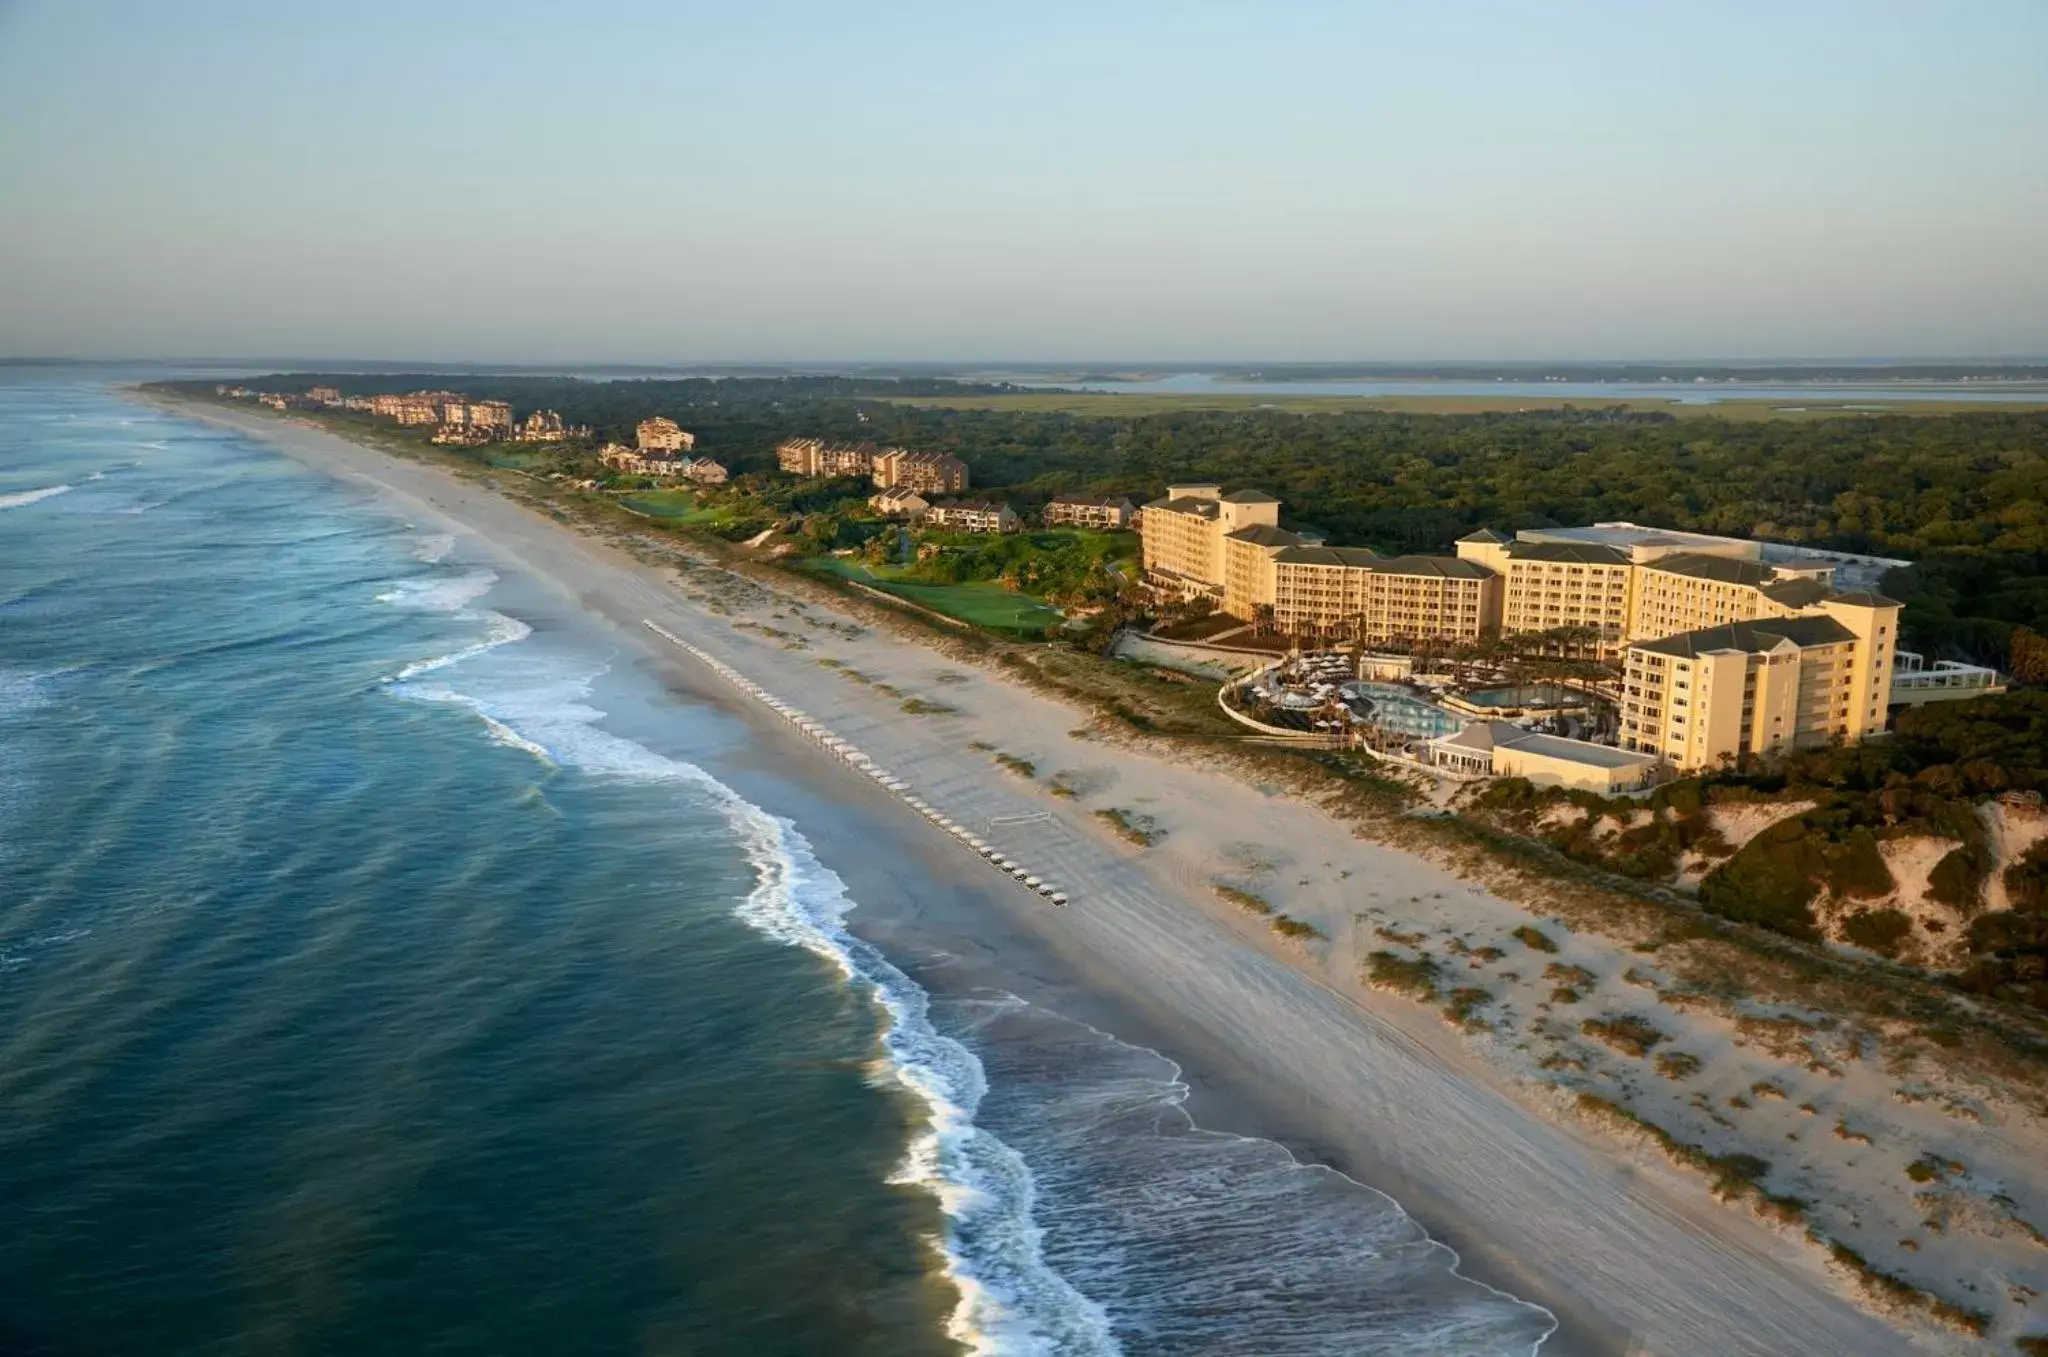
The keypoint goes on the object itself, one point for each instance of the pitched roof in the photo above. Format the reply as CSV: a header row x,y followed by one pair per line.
x,y
1249,497
1487,535
1721,569
1305,555
1092,501
1445,567
1797,592
1577,553
1863,598
1364,558
1265,535
979,506
1755,638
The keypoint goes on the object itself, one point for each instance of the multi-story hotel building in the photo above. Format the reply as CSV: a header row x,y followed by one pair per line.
x,y
1353,592
1548,586
929,473
814,457
1182,536
1706,697
661,434
1232,548
1110,513
1644,587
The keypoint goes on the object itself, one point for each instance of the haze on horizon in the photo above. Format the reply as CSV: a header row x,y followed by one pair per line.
x,y
784,180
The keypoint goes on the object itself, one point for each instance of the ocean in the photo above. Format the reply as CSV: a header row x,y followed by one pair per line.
x,y
386,967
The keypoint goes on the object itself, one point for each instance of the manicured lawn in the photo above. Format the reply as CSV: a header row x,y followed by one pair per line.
x,y
984,605
679,506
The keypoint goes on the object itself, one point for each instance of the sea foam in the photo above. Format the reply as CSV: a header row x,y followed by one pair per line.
x,y
1011,1300
21,497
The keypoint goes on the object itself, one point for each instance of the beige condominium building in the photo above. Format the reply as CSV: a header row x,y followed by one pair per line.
x,y
1110,513
973,516
814,457
930,473
660,434
1709,696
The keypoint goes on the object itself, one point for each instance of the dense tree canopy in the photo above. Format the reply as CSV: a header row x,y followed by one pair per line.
x,y
1963,496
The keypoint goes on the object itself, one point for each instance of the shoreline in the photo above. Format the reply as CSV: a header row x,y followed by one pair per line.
x,y
1266,1046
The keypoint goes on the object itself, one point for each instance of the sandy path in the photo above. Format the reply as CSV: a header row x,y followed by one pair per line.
x,y
1633,1260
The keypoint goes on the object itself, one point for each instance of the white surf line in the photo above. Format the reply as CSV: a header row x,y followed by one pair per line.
x,y
844,750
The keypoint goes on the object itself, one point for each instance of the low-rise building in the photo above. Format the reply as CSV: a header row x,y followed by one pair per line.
x,y
661,434
1498,749
931,473
1915,683
1110,513
1702,698
898,501
973,516
323,395
704,471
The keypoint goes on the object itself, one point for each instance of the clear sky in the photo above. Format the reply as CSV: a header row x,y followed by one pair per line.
x,y
681,180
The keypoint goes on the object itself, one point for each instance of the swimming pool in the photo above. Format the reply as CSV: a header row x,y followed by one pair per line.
x,y
1529,695
1395,708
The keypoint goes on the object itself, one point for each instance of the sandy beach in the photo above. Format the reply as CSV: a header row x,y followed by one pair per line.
x,y
1275,1039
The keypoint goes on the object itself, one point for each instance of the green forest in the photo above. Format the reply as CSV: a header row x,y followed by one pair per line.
x,y
1964,496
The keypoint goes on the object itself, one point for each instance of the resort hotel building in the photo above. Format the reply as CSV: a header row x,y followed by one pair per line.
x,y
1199,541
1724,652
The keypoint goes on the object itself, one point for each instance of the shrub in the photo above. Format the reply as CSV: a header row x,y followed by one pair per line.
x,y
1393,972
1295,928
1242,899
1678,1065
918,706
1132,828
1878,930
1958,879
1770,882
1021,767
1855,867
1564,994
1465,1001
1626,1033
1534,939
2026,880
